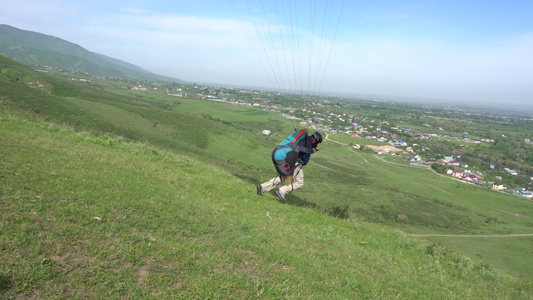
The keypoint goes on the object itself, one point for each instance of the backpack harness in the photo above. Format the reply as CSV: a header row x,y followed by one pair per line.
x,y
285,155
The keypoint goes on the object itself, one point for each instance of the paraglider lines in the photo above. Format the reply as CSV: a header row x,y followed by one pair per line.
x,y
278,33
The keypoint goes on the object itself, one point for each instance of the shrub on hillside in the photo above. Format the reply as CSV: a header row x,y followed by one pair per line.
x,y
341,212
401,218
438,168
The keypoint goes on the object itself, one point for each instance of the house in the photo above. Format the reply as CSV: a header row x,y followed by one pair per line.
x,y
457,173
413,162
399,144
487,140
449,171
512,172
526,194
448,158
471,177
498,186
453,163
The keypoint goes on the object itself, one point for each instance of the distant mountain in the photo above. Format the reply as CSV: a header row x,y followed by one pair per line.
x,y
34,48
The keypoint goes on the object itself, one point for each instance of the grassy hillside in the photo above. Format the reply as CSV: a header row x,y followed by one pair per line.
x,y
89,217
339,179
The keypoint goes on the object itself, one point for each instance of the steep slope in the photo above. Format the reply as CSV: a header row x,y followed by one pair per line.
x,y
338,179
88,217
86,106
34,48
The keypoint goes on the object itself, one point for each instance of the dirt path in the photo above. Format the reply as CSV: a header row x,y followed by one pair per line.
x,y
327,138
442,190
384,147
511,213
390,162
472,235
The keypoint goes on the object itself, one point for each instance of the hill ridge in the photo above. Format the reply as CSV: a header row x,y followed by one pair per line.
x,y
35,48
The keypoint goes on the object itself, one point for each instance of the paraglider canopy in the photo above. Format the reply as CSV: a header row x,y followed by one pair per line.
x,y
292,39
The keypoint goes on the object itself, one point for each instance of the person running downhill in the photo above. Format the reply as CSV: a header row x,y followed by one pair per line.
x,y
305,148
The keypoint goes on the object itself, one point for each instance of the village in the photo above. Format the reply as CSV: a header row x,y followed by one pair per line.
x,y
469,176
449,151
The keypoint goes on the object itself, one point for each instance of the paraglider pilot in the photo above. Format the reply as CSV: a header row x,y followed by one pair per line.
x,y
305,148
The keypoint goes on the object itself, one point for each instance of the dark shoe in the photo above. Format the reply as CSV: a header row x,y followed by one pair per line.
x,y
280,195
260,190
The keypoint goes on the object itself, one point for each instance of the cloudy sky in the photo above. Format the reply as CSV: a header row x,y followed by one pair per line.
x,y
469,50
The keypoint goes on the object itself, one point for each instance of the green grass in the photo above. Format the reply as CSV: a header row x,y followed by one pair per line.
x,y
380,192
90,217
111,177
482,249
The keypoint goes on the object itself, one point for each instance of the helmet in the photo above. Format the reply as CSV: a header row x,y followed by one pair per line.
x,y
318,137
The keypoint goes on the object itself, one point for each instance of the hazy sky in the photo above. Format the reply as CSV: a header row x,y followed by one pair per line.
x,y
470,50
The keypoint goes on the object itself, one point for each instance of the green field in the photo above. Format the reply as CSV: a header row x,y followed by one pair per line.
x,y
171,182
88,217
